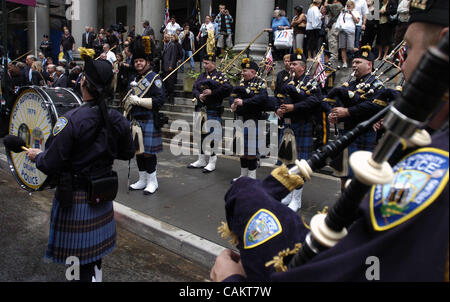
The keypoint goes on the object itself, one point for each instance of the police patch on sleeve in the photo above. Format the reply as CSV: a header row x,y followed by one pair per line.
x,y
418,180
262,227
59,126
158,83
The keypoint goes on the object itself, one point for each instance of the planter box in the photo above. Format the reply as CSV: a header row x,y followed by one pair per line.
x,y
188,83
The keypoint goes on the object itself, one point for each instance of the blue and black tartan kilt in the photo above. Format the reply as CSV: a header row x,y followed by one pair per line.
x,y
250,141
303,132
364,142
152,137
84,231
212,115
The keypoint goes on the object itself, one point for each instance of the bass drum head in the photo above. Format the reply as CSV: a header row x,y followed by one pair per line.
x,y
33,116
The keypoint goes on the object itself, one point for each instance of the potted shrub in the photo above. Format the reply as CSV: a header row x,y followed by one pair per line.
x,y
189,80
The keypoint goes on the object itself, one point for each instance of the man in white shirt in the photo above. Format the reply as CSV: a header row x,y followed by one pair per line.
x,y
172,27
110,56
363,10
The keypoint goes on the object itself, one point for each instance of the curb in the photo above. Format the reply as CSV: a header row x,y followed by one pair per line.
x,y
185,244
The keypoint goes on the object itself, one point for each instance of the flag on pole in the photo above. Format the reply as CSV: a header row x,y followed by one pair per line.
x,y
320,70
196,12
269,60
166,14
402,55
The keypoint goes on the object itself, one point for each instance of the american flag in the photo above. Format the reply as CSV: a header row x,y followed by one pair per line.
x,y
402,55
269,61
166,14
319,68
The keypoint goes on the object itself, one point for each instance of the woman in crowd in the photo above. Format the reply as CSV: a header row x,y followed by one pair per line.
x,y
299,25
385,28
402,21
346,24
313,25
279,22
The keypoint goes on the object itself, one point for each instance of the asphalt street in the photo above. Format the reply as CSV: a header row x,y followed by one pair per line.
x,y
24,227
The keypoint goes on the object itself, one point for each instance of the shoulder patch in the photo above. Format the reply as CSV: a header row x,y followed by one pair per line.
x,y
263,226
60,125
418,180
158,83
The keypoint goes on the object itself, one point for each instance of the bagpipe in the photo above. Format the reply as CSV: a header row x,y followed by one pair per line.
x,y
372,84
258,82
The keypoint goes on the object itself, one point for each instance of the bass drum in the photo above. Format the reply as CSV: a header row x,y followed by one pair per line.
x,y
33,116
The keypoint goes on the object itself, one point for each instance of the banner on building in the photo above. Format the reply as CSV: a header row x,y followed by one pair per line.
x,y
24,2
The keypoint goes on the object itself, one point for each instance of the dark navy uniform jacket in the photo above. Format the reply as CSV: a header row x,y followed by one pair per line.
x,y
282,78
215,100
156,93
79,141
362,109
254,105
304,105
406,246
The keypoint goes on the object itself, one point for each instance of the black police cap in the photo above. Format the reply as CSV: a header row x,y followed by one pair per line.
x,y
97,72
297,56
365,53
248,64
209,57
429,11
141,48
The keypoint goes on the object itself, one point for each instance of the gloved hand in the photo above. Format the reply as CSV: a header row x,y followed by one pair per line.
x,y
143,102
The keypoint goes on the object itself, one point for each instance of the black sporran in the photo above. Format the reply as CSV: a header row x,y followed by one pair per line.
x,y
103,189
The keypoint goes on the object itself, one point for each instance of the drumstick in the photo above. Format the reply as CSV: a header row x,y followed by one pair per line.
x,y
25,149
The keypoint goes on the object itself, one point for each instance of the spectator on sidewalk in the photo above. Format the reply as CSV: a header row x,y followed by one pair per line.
x,y
386,28
363,10
46,47
313,25
299,25
60,77
402,21
372,23
98,45
347,23
172,27
67,45
170,57
202,36
148,30
187,40
333,10
110,56
87,38
224,21
279,22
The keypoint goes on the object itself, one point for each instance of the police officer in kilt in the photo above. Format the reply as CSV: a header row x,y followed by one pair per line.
x,y
142,104
249,101
355,106
79,156
297,111
209,90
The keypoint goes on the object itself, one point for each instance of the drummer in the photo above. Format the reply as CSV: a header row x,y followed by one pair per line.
x,y
79,154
